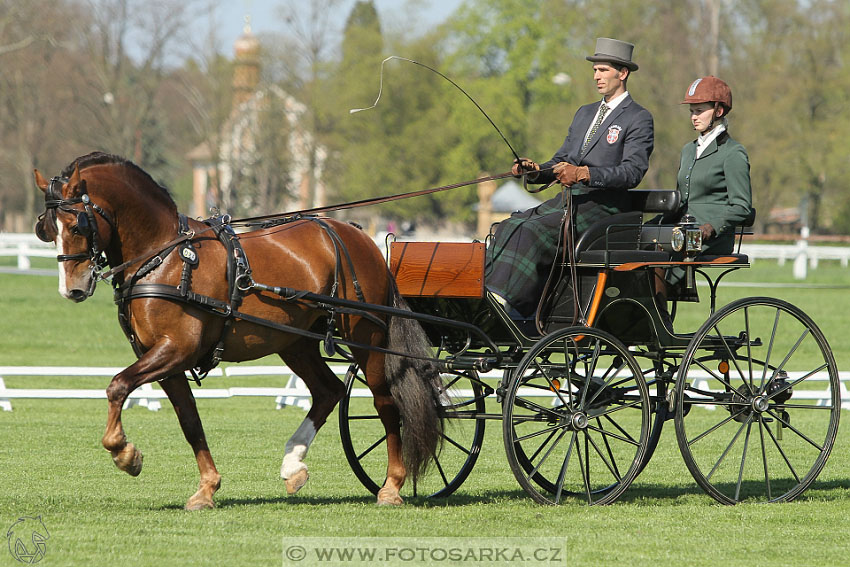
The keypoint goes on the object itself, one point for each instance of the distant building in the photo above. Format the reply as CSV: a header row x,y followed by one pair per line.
x,y
496,204
235,178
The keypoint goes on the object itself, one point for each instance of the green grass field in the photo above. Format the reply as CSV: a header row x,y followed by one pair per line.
x,y
52,465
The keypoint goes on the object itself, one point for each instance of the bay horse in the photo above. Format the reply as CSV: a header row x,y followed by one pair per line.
x,y
104,209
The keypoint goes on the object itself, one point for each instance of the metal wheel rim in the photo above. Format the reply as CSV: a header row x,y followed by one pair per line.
x,y
757,446
548,447
451,475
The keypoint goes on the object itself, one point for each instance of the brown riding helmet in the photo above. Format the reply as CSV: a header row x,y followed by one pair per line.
x,y
709,89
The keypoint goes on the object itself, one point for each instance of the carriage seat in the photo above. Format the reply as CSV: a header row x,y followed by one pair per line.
x,y
617,239
624,238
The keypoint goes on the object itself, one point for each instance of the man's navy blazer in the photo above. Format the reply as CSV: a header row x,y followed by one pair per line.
x,y
618,154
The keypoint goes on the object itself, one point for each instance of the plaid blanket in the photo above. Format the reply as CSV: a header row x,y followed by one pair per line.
x,y
526,244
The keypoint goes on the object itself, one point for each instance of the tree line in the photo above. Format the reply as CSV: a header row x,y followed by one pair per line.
x,y
124,76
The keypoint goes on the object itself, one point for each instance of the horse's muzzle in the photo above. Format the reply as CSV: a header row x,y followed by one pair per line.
x,y
77,295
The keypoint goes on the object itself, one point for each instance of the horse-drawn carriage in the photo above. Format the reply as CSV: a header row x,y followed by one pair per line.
x,y
586,387
582,390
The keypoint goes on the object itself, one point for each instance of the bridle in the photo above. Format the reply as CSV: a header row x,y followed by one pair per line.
x,y
86,224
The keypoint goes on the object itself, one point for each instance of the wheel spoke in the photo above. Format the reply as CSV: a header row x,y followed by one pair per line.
x,y
795,430
544,372
720,379
615,409
620,429
567,359
545,457
605,433
715,427
372,447
719,403
464,417
607,384
769,349
762,427
441,471
534,434
616,470
728,448
611,465
743,460
779,448
771,342
456,444
525,403
797,381
362,417
734,358
563,472
361,378
584,477
588,375
804,407
545,442
788,356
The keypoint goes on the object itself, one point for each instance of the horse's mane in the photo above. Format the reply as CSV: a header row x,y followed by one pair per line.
x,y
98,158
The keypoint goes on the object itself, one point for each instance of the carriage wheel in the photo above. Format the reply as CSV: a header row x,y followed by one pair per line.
x,y
757,410
364,440
576,418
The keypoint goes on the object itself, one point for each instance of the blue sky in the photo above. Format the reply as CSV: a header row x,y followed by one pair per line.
x,y
265,16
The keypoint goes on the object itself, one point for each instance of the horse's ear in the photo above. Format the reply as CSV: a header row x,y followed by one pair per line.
x,y
74,181
40,181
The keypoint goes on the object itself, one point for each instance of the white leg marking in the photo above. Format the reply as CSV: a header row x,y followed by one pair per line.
x,y
296,449
63,284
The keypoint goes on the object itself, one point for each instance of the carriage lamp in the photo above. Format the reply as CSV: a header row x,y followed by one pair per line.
x,y
687,238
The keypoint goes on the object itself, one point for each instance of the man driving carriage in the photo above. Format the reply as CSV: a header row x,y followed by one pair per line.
x,y
605,153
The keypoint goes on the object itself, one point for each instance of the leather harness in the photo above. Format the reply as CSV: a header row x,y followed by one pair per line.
x,y
240,282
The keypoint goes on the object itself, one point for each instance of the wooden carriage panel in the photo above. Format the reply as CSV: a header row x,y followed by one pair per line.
x,y
438,269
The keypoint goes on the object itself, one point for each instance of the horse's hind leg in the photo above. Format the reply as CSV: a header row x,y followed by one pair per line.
x,y
181,397
372,364
326,389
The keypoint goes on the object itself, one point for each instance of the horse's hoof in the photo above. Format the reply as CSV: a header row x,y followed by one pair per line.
x,y
389,497
129,460
199,503
297,481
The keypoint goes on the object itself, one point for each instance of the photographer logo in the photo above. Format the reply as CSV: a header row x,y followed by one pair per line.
x,y
26,539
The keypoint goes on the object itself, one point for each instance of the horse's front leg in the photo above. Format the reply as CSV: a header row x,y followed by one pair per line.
x,y
157,363
181,397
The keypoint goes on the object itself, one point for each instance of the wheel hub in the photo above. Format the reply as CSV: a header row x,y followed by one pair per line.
x,y
579,420
760,404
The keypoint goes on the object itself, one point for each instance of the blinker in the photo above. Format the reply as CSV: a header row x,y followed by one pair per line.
x,y
40,229
84,227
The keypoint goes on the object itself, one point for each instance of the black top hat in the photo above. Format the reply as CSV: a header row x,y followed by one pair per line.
x,y
613,51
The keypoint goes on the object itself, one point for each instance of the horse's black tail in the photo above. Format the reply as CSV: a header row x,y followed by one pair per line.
x,y
415,385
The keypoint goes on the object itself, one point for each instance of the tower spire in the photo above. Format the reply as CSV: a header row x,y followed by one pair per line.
x,y
246,71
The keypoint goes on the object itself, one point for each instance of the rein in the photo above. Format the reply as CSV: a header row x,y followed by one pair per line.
x,y
250,221
373,201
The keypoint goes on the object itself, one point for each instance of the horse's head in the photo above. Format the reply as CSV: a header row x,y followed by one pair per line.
x,y
80,228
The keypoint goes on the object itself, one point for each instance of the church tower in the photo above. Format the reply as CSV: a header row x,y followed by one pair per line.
x,y
246,70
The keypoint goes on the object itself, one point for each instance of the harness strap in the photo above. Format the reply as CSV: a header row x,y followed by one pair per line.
x,y
223,309
237,268
339,245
